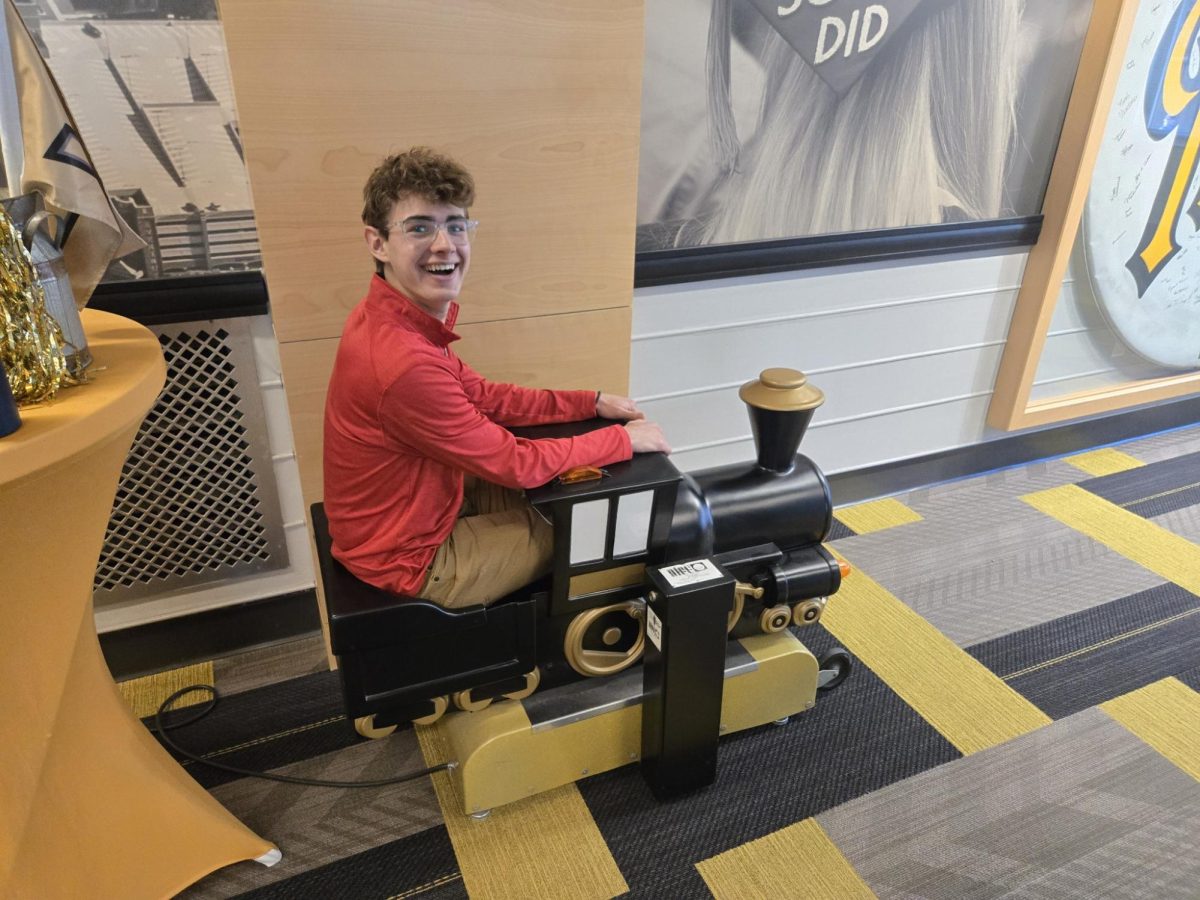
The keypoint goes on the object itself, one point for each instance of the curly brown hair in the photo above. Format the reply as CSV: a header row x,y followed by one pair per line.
x,y
420,172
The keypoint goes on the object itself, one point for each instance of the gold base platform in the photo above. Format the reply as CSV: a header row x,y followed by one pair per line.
x,y
515,749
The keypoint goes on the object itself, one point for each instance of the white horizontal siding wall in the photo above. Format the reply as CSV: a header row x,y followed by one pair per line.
x,y
906,353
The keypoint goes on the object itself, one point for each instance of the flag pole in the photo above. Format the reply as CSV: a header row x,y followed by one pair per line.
x,y
12,146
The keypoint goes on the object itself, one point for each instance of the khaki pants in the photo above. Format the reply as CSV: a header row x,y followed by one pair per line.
x,y
498,544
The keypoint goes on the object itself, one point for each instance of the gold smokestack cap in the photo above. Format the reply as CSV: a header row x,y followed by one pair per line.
x,y
781,390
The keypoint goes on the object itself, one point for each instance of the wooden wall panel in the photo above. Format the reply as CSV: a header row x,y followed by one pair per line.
x,y
539,98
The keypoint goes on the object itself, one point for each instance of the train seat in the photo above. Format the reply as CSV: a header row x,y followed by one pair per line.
x,y
402,658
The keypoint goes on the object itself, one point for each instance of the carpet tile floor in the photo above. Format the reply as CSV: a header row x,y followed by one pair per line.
x,y
1022,722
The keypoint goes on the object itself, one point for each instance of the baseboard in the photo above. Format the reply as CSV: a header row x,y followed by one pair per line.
x,y
210,634
1012,450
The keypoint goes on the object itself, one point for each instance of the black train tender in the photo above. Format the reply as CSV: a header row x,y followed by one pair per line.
x,y
406,659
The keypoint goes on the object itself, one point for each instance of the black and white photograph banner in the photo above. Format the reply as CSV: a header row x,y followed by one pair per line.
x,y
783,133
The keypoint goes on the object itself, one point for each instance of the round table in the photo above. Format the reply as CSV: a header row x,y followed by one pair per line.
x,y
90,804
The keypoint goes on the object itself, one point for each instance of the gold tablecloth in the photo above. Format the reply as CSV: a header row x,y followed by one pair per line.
x,y
90,804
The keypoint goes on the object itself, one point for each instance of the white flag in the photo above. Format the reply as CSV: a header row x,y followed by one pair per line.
x,y
42,151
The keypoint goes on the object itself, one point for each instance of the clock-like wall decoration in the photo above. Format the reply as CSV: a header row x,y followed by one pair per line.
x,y
1141,222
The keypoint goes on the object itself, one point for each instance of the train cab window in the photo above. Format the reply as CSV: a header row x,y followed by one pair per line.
x,y
633,523
589,528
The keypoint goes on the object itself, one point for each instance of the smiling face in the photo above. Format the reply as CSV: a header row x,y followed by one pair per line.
x,y
429,273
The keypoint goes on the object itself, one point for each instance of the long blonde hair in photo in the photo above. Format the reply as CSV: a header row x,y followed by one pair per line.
x,y
923,136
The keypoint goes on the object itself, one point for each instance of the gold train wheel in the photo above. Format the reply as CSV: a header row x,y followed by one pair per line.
x,y
594,662
365,726
440,705
775,619
532,680
464,701
739,604
808,612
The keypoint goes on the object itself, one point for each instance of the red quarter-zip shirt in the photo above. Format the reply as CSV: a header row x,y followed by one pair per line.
x,y
405,418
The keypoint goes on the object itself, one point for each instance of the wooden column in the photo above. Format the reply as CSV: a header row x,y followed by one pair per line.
x,y
540,99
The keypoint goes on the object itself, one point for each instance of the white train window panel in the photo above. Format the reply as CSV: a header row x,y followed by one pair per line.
x,y
589,526
633,523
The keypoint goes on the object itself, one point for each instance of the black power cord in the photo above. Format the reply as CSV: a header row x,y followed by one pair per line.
x,y
208,707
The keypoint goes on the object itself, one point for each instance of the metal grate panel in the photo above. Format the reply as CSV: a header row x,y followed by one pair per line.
x,y
197,501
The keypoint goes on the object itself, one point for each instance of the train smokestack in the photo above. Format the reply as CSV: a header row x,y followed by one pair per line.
x,y
781,404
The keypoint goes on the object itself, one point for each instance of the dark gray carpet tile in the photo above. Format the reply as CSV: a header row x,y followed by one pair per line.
x,y
1191,677
418,866
1113,670
1171,483
268,727
858,738
1160,506
838,531
1081,804
1050,640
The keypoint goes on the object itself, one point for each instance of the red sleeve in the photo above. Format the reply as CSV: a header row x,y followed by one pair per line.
x,y
429,411
510,404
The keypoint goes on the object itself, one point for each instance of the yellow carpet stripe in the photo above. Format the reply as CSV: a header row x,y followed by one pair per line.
x,y
1107,642
969,705
799,861
546,846
1140,540
1166,715
145,695
877,515
1105,461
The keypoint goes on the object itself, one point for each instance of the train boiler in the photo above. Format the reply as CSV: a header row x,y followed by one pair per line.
x,y
572,641
766,519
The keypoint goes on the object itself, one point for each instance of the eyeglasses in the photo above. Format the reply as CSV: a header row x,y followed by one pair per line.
x,y
422,231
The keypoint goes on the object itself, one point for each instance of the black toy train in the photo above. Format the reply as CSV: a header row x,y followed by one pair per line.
x,y
406,659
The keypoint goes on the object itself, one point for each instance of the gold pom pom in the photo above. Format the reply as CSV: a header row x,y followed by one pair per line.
x,y
32,347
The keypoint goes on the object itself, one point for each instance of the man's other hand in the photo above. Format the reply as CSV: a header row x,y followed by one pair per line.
x,y
647,437
611,406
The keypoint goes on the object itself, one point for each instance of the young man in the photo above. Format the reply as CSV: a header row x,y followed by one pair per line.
x,y
422,479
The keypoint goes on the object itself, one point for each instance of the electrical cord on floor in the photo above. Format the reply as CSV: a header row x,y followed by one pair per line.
x,y
208,707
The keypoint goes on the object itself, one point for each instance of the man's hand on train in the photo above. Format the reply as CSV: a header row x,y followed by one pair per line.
x,y
613,406
647,437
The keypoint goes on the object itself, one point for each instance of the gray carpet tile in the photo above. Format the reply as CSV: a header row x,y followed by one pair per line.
x,y
1164,445
983,563
1183,522
1014,480
315,826
1145,864
1081,807
268,665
